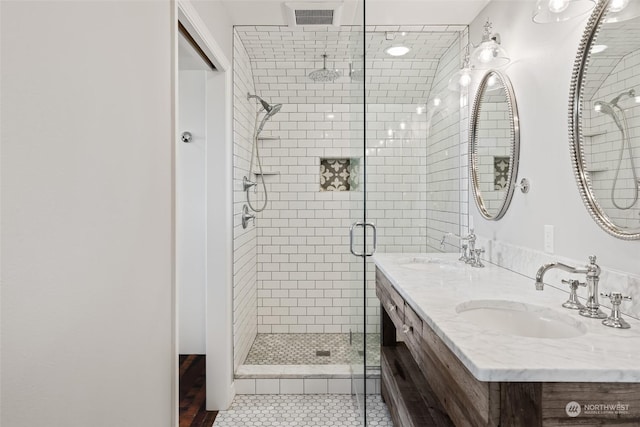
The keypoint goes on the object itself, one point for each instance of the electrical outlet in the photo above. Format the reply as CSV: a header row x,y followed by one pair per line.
x,y
548,239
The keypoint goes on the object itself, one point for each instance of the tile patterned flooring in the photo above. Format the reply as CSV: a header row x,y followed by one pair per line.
x,y
302,411
304,349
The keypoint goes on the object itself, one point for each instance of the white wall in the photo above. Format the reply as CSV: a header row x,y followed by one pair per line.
x,y
191,226
87,250
218,23
542,62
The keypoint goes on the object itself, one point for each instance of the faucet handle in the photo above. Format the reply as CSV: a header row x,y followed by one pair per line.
x,y
477,262
464,256
616,297
615,320
573,303
573,283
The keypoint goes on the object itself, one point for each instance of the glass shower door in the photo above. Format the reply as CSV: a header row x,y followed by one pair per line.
x,y
360,234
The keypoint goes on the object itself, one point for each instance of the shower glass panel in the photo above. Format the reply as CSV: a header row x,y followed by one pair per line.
x,y
359,244
415,134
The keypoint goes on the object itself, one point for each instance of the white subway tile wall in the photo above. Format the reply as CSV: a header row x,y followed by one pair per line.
x,y
283,57
244,241
494,137
307,279
446,151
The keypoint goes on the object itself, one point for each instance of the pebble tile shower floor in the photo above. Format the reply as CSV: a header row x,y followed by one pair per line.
x,y
310,349
327,410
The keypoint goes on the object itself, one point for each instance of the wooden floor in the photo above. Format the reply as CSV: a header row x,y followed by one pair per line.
x,y
192,392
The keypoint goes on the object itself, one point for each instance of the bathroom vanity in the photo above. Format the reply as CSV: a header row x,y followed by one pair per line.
x,y
481,347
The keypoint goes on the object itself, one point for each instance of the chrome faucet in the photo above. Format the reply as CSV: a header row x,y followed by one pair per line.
x,y
592,271
546,267
470,254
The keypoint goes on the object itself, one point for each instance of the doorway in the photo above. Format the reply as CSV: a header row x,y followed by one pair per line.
x,y
203,220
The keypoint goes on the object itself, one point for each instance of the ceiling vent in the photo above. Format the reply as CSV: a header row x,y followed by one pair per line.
x,y
313,13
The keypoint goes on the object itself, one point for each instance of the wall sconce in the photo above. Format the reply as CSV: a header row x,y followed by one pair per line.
x,y
622,10
547,11
489,54
462,78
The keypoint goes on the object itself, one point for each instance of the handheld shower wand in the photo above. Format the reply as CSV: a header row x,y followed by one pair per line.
x,y
620,119
247,184
267,107
630,93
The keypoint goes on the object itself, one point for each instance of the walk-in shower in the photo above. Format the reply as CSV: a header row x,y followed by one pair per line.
x,y
617,113
270,110
305,310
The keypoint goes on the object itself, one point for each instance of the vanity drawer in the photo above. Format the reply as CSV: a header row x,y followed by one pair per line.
x,y
467,400
390,299
412,330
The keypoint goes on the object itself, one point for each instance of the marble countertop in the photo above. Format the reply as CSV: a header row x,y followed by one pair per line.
x,y
601,354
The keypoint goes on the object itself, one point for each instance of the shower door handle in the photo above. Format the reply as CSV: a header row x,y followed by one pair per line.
x,y
364,226
353,227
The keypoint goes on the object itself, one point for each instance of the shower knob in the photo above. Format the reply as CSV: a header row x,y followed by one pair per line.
x,y
186,137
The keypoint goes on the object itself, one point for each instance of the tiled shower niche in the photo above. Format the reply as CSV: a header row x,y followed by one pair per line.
x,y
338,174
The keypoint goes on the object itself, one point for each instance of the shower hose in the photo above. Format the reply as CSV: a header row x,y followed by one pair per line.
x,y
255,153
627,143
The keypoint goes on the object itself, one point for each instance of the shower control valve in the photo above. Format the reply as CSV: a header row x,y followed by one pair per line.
x,y
246,216
247,183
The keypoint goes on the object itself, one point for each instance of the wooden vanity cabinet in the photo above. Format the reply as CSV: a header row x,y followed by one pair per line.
x,y
425,384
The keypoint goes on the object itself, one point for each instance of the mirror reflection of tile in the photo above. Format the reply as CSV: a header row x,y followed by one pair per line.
x,y
335,174
500,172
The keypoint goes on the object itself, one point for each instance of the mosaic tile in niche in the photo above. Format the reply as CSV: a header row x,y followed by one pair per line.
x,y
501,172
335,174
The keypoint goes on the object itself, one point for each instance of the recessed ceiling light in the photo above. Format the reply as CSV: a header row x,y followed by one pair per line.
x,y
599,48
397,50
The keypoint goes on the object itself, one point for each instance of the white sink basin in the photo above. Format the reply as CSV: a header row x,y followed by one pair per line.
x,y
431,264
515,318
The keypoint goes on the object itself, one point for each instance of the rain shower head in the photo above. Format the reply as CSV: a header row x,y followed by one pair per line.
x,y
324,75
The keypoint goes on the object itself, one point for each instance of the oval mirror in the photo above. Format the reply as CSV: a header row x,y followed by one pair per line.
x,y
494,145
605,118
